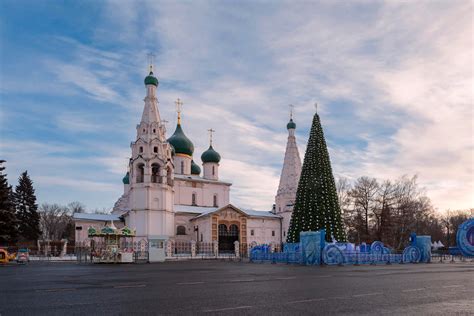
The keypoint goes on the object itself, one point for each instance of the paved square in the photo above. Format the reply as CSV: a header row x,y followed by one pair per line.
x,y
203,287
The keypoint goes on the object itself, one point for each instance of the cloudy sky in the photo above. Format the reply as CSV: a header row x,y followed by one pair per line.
x,y
394,82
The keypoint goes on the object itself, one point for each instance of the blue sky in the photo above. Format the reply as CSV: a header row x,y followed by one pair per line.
x,y
393,79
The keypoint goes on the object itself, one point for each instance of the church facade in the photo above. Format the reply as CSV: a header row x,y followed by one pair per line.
x,y
167,195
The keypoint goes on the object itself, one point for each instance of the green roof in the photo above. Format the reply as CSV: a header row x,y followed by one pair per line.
x,y
151,79
291,124
195,169
126,179
181,144
210,155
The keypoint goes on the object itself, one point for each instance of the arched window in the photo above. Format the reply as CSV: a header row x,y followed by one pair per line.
x,y
193,199
140,149
154,131
233,230
201,238
180,230
182,167
222,230
155,149
215,200
155,173
213,170
140,172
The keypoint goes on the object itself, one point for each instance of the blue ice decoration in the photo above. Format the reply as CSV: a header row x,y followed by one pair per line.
x,y
423,243
411,254
311,245
465,238
313,250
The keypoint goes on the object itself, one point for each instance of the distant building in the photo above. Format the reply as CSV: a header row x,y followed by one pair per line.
x,y
166,196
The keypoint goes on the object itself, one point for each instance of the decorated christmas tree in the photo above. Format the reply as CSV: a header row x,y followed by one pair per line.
x,y
316,206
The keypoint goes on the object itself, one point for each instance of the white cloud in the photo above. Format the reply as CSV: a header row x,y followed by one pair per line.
x,y
403,69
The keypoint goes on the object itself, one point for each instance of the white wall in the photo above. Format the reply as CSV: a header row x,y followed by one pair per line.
x,y
263,230
204,193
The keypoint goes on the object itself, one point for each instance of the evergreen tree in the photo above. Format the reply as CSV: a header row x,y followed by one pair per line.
x,y
27,209
316,205
8,221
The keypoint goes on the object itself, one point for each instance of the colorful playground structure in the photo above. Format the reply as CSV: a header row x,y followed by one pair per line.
x,y
110,244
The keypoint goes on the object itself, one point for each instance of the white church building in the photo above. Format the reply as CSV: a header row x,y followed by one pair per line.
x,y
167,195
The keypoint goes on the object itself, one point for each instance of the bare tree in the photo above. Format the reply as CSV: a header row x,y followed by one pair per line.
x,y
363,195
54,220
76,207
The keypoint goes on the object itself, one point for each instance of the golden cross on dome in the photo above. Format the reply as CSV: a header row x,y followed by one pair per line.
x,y
210,135
179,105
151,57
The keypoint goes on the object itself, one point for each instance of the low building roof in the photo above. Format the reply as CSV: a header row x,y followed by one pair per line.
x,y
96,217
193,209
197,178
250,213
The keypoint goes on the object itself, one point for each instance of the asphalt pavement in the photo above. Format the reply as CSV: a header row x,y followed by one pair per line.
x,y
236,288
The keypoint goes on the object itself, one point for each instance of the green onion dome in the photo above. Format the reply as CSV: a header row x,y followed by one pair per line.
x,y
181,144
195,169
126,179
210,155
151,79
291,124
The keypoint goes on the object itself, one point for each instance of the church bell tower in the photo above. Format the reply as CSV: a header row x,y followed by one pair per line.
x,y
289,178
151,171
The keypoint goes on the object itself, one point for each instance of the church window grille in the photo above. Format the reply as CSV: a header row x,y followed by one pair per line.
x,y
215,200
222,230
155,149
233,230
140,173
155,173
180,230
193,199
252,232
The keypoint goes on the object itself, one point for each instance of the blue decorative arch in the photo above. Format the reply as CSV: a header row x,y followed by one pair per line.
x,y
465,238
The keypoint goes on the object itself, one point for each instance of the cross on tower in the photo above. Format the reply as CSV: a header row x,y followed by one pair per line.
x,y
179,105
291,110
151,57
210,135
316,106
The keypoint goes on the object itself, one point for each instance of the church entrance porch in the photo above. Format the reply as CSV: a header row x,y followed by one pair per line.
x,y
228,235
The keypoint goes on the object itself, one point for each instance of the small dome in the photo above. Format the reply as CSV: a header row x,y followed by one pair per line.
x,y
126,179
291,124
181,144
210,155
151,79
195,169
